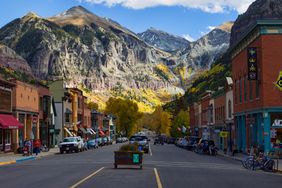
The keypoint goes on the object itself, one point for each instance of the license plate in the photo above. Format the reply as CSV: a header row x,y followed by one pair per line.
x,y
67,148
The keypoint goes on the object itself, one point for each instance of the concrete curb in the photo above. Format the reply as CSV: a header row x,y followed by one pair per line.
x,y
25,159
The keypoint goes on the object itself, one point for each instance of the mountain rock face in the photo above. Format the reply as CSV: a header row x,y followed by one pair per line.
x,y
258,10
87,50
109,60
10,59
202,53
163,40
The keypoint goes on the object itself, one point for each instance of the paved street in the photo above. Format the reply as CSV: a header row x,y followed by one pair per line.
x,y
176,168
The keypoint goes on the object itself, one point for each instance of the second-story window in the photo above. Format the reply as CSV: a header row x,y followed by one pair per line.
x,y
257,89
240,90
229,109
245,89
251,90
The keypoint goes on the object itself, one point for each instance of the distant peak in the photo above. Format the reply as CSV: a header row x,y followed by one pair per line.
x,y
226,26
78,10
31,15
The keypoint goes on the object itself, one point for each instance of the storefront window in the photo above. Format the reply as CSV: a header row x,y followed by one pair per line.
x,y
7,136
1,136
276,130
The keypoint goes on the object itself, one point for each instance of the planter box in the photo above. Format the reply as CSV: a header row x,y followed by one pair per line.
x,y
128,158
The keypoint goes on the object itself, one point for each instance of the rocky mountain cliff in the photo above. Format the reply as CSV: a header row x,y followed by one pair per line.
x,y
258,10
163,40
199,55
10,59
105,59
93,53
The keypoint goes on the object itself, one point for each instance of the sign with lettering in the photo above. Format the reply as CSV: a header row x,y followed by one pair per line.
x,y
252,64
277,123
279,81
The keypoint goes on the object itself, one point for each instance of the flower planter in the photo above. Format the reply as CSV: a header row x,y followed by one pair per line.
x,y
128,158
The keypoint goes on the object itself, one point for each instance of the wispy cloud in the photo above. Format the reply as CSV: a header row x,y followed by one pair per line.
x,y
211,6
188,37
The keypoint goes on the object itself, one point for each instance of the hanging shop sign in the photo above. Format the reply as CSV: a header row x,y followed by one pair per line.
x,y
252,64
279,81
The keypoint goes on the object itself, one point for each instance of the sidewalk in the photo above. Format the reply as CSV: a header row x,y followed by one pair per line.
x,y
11,158
240,157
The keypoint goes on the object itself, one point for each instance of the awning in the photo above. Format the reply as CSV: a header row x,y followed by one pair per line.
x,y
101,133
69,133
91,131
9,122
83,130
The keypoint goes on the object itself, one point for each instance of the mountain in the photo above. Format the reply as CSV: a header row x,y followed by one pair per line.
x,y
201,54
10,59
94,53
258,10
163,40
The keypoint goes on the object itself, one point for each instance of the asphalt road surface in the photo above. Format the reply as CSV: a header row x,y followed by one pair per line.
x,y
165,166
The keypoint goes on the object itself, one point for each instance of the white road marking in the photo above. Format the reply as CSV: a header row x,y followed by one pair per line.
x,y
150,150
86,178
158,178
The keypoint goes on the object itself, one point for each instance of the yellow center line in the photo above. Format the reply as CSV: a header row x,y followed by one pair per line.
x,y
158,178
85,179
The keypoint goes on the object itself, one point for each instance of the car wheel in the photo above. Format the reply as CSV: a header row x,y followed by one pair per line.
x,y
61,151
77,150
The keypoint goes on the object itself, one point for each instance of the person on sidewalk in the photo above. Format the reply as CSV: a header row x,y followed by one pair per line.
x,y
37,145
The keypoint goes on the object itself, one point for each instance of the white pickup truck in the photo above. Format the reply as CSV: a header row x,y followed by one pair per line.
x,y
70,144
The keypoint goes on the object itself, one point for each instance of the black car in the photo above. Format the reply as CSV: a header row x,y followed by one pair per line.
x,y
171,140
159,140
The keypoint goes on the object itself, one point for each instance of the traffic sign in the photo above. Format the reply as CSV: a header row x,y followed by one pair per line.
x,y
34,119
135,158
223,134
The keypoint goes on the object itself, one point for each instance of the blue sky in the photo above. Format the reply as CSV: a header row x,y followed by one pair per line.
x,y
183,17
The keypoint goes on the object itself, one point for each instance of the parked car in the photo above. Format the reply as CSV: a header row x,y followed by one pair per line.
x,y
171,140
105,141
70,144
142,142
92,144
192,142
99,141
119,140
110,140
159,140
182,142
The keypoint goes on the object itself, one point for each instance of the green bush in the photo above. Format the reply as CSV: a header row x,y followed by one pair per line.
x,y
129,147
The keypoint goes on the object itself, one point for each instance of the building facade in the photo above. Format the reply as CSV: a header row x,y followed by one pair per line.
x,y
26,110
9,126
256,71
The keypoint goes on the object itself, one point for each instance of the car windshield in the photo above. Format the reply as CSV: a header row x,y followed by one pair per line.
x,y
69,140
138,138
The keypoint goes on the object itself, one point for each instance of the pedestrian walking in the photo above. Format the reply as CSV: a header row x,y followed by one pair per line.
x,y
37,145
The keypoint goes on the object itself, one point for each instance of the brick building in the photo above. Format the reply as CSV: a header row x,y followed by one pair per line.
x,y
256,70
